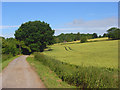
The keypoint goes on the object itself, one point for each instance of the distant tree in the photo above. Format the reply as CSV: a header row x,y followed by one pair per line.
x,y
100,36
35,34
95,35
57,40
72,37
113,33
78,36
105,35
83,39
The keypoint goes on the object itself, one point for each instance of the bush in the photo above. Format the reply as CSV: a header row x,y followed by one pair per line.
x,y
83,39
83,77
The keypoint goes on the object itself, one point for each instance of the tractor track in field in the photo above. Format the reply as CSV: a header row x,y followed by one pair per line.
x,y
67,48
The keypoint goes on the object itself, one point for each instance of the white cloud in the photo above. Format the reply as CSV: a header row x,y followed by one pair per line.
x,y
107,22
5,27
98,26
8,35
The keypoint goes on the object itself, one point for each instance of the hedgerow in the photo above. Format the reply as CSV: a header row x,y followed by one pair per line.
x,y
80,76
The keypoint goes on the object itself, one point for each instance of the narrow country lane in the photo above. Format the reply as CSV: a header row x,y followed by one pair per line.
x,y
19,74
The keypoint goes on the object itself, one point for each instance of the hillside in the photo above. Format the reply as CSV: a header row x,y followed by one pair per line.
x,y
100,54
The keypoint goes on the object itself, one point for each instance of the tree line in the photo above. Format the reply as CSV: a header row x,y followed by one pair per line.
x,y
34,36
76,36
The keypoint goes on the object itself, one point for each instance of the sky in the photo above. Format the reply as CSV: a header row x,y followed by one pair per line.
x,y
63,17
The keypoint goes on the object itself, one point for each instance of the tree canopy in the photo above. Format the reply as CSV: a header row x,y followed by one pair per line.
x,y
9,46
114,33
35,34
95,35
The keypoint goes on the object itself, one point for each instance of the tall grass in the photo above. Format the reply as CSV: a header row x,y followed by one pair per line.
x,y
80,76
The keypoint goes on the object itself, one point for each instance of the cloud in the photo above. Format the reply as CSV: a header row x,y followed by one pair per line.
x,y
8,35
107,22
5,27
71,29
98,26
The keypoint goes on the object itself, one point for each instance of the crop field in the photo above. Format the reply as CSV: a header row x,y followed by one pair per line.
x,y
100,54
85,65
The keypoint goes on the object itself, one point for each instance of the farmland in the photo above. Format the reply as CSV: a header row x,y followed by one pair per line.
x,y
60,45
100,54
85,65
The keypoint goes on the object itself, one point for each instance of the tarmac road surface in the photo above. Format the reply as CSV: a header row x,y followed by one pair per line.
x,y
19,74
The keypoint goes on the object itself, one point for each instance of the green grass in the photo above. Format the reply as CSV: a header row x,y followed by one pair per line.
x,y
6,57
85,65
81,76
98,54
6,62
49,78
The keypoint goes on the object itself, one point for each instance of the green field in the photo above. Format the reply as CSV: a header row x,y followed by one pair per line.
x,y
100,54
93,64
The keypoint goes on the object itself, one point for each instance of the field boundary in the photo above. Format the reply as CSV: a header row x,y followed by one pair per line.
x,y
80,76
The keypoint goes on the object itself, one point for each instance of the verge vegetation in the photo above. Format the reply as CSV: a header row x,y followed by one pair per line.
x,y
80,76
49,78
7,61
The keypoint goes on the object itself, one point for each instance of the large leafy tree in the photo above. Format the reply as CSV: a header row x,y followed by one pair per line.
x,y
114,33
35,34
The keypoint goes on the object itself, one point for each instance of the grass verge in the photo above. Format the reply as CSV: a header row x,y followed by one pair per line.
x,y
6,62
81,76
49,78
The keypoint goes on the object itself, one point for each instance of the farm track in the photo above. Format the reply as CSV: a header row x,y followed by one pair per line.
x,y
19,74
67,48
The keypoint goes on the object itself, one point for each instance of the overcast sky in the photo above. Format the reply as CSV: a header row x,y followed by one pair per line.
x,y
63,17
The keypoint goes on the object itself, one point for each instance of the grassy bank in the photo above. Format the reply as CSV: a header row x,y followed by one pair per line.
x,y
49,78
5,62
6,57
81,76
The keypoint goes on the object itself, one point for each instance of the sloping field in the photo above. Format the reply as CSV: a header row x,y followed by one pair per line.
x,y
100,54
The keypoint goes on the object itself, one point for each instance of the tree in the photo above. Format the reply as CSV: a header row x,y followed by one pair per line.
x,y
95,35
57,40
78,36
83,39
113,33
35,34
105,35
100,36
23,48
9,46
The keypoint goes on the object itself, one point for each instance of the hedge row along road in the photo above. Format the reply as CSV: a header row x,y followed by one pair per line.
x,y
19,74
